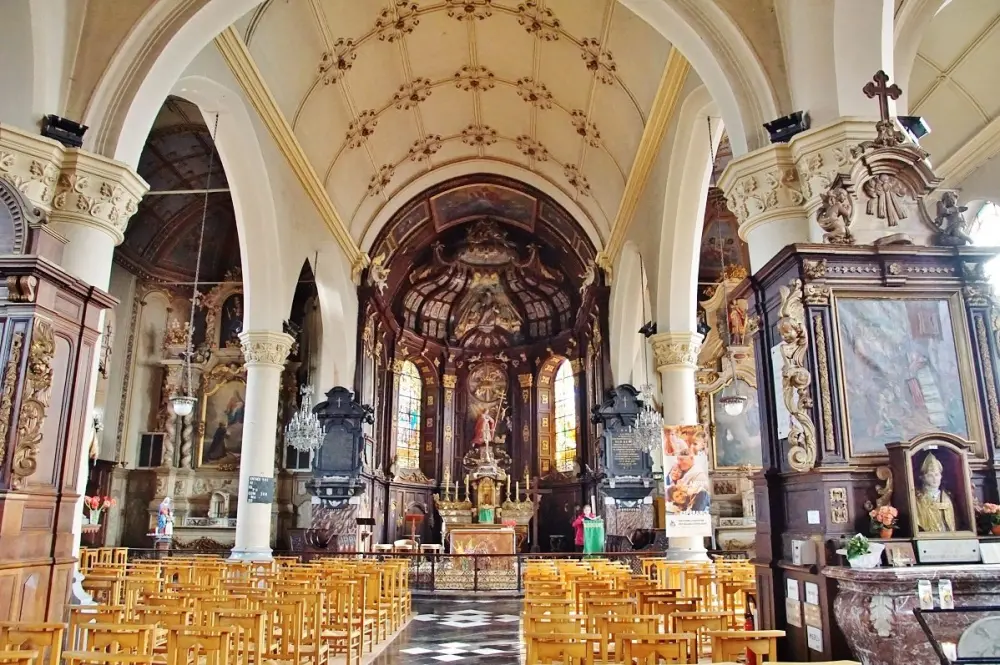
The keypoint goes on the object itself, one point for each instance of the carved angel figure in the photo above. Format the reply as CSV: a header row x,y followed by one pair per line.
x,y
589,276
378,274
951,220
834,216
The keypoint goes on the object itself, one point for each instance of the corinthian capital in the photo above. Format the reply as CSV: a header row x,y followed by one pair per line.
x,y
676,349
263,347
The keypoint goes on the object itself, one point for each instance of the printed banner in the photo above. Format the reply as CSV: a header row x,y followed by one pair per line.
x,y
687,488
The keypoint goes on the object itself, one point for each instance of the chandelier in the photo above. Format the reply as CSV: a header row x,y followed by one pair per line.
x,y
648,430
305,432
649,423
183,401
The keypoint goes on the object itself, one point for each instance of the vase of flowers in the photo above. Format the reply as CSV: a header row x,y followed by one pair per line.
x,y
95,505
992,511
883,521
861,553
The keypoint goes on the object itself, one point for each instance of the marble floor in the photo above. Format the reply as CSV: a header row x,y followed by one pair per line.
x,y
458,630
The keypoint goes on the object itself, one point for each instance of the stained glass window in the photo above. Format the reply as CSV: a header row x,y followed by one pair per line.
x,y
408,417
986,232
565,421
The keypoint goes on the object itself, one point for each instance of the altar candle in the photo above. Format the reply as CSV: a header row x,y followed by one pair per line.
x,y
593,503
517,491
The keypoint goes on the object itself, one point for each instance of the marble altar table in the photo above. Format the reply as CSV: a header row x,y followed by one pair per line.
x,y
874,608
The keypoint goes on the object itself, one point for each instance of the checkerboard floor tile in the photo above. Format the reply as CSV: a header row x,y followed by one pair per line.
x,y
450,631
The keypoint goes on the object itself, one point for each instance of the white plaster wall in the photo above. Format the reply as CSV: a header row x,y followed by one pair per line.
x,y
17,65
146,376
111,391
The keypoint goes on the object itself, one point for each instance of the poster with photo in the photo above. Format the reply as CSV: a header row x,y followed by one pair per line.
x,y
687,488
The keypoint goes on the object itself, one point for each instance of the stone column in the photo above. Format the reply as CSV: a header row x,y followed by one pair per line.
x,y
776,192
676,355
265,353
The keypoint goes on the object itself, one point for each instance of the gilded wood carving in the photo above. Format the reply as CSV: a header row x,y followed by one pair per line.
x,y
34,402
7,394
795,378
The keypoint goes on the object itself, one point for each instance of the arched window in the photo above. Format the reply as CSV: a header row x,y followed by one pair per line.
x,y
408,405
564,408
986,232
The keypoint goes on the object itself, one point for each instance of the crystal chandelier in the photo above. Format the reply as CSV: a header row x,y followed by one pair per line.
x,y
649,423
305,432
183,402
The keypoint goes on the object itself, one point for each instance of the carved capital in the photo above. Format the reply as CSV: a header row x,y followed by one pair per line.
x,y
72,185
263,347
763,186
676,349
97,192
449,381
526,380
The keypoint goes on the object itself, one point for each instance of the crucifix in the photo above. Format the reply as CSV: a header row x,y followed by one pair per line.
x,y
879,87
535,493
339,400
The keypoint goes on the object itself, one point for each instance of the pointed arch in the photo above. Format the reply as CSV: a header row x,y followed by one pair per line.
x,y
629,294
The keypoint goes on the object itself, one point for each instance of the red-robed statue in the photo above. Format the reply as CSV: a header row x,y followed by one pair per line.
x,y
485,425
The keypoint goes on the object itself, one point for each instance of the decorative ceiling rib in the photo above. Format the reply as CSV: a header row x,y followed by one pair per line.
x,y
382,92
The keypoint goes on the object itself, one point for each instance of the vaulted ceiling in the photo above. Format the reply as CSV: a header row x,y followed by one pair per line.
x,y
162,239
954,79
381,92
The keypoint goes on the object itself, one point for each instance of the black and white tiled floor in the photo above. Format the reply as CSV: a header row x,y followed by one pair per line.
x,y
469,631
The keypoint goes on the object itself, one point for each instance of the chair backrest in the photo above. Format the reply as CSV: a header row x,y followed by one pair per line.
x,y
18,657
128,639
198,645
98,658
46,638
651,649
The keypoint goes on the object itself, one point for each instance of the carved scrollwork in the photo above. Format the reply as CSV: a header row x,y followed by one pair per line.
x,y
884,492
795,378
7,393
34,402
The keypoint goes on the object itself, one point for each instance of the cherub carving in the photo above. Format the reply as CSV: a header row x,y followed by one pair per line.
x,y
951,221
378,273
589,276
834,216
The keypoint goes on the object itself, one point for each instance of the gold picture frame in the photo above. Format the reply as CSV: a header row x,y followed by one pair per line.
x,y
222,409
955,327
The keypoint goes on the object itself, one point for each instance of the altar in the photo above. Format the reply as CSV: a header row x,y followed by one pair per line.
x,y
484,539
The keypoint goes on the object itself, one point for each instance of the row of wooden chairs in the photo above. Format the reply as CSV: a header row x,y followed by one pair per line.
x,y
597,610
179,611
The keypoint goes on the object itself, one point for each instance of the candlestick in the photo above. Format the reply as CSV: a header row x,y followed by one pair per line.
x,y
456,491
466,487
593,503
517,493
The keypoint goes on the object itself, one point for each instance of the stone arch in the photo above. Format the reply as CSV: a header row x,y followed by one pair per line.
x,y
722,57
684,213
468,167
628,291
253,199
338,304
911,24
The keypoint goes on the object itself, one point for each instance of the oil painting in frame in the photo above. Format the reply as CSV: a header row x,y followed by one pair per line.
x,y
737,440
906,369
222,412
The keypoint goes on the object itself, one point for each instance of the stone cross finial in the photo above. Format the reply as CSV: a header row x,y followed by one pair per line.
x,y
878,87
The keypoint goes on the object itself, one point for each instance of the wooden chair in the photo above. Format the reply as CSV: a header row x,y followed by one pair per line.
x,y
700,623
545,648
40,637
130,639
97,658
731,644
18,657
650,649
198,645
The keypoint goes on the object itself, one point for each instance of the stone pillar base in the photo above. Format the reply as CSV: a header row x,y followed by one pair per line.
x,y
687,549
251,554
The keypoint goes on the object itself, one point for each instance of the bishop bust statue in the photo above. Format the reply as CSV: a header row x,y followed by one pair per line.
x,y
935,510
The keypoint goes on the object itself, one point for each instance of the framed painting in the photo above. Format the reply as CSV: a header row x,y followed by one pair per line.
x,y
222,412
737,440
906,370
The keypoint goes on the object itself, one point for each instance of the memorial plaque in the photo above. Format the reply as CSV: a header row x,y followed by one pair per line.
x,y
260,489
965,550
626,458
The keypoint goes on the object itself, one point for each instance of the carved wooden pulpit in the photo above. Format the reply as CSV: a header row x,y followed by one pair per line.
x,y
49,330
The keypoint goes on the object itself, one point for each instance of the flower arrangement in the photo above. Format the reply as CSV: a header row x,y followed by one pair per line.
x,y
510,523
95,505
862,554
858,546
884,518
992,511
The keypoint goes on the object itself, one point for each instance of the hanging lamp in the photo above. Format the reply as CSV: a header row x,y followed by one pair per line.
x,y
649,422
184,400
304,432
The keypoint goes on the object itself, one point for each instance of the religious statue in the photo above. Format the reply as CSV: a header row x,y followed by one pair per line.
x,y
485,426
737,322
835,215
951,221
165,518
935,510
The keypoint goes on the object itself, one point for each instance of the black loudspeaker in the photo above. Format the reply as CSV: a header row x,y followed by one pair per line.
x,y
783,129
67,132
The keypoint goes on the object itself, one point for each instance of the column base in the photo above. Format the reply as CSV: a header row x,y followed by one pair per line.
x,y
251,554
686,549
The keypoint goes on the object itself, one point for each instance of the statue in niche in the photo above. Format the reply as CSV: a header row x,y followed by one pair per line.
x,y
935,510
484,430
232,321
165,518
